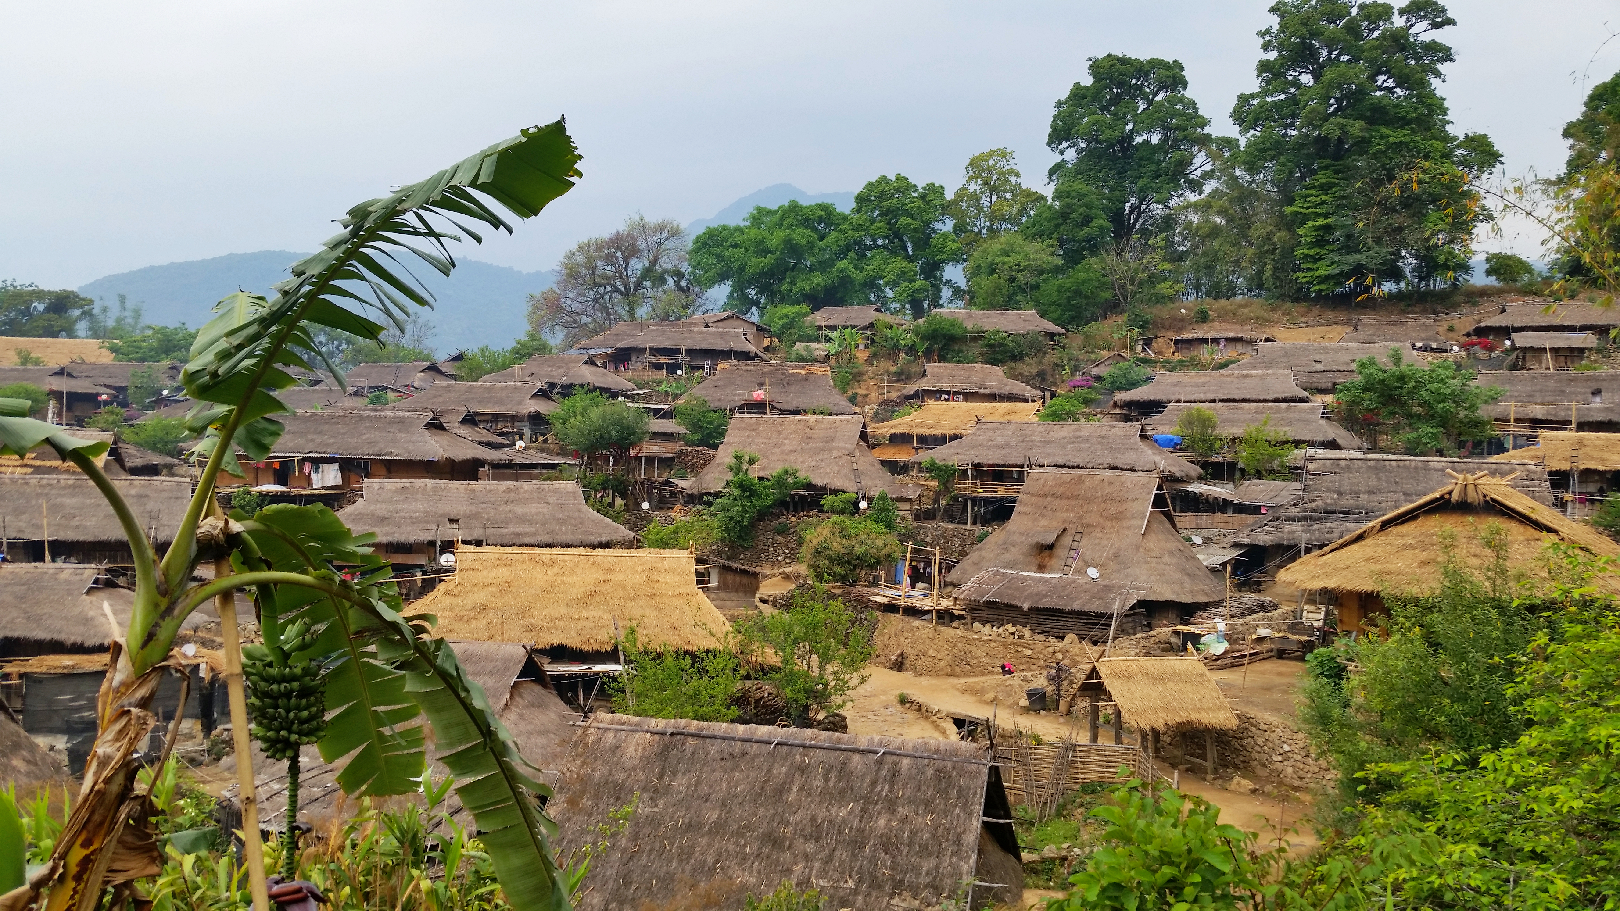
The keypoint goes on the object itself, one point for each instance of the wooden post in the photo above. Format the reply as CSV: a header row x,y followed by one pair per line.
x,y
936,576
1209,753
1094,712
45,526
905,574
247,790
1119,726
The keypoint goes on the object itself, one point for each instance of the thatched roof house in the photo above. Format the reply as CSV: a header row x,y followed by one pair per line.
x,y
400,377
575,599
72,397
863,820
1407,333
969,383
762,388
1228,340
1012,322
1052,604
1343,491
497,407
1165,695
670,347
1301,423
62,608
414,516
1552,350
299,398
728,319
1405,551
1560,450
1057,444
1554,399
938,423
562,374
71,513
829,318
829,451
1069,522
1211,386
1569,316
1316,367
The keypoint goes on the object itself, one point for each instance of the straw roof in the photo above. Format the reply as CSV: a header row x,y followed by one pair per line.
x,y
1554,340
1166,694
1215,386
396,376
947,418
1403,332
982,378
723,319
826,449
1405,551
1060,444
1047,591
25,765
840,317
788,387
673,335
1345,490
75,510
381,434
1268,493
1316,366
298,398
726,811
54,350
494,666
1300,422
118,374
1107,521
43,459
1569,316
1012,322
51,379
561,370
1216,332
1561,450
574,598
518,399
48,608
505,513
1553,387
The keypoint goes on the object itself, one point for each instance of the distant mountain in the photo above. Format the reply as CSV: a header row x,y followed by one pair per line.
x,y
770,198
479,304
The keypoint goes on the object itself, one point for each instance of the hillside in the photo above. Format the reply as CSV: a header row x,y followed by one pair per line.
x,y
479,304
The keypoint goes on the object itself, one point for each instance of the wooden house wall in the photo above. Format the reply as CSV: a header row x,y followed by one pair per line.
x,y
1058,623
1550,358
734,591
64,706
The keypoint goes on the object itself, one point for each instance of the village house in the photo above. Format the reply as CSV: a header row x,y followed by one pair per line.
x,y
674,349
122,459
513,410
118,376
1532,401
969,383
1404,553
1566,317
1200,387
1012,322
728,319
1318,368
1300,423
937,423
1206,506
1162,698
562,375
874,820
64,518
1582,468
829,450
402,377
1552,350
1213,341
771,388
828,320
71,399
1111,529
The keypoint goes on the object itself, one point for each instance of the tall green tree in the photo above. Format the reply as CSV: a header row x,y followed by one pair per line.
x,y
157,344
638,272
1423,410
29,311
794,254
1594,137
1135,137
900,235
992,199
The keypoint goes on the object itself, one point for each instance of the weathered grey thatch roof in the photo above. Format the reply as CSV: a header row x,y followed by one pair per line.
x,y
77,512
1317,366
1012,322
1215,332
789,387
307,398
516,399
1547,395
380,434
1166,694
397,376
504,513
1569,316
1554,340
143,461
840,317
983,378
1058,444
117,373
1345,490
724,319
673,335
1268,493
826,449
51,379
1047,591
51,608
1403,332
1216,386
562,370
494,666
1300,422
861,819
1108,519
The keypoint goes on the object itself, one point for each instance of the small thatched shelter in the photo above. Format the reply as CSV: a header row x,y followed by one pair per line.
x,y
1211,386
65,516
937,423
1542,316
395,377
561,375
969,383
1012,322
830,451
831,318
863,820
1228,340
1404,552
1301,423
575,599
497,407
1000,451
1161,696
763,388
1537,400
1317,366
1552,350
1071,522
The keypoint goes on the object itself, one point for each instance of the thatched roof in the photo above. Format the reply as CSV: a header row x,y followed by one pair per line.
x,y
1553,387
504,513
139,461
1554,340
77,512
1405,551
827,450
861,819
1108,519
561,370
117,374
673,336
1268,493
723,319
841,317
1403,332
43,459
982,378
1299,422
27,767
947,418
1012,322
381,434
1560,450
50,608
494,666
788,387
300,398
54,350
1316,366
1047,591
395,376
51,379
1215,386
1059,444
1166,694
517,399
1569,316
574,598
1215,332
1345,490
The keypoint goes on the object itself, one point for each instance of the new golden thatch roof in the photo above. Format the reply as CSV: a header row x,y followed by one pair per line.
x,y
1166,694
947,418
503,513
1561,450
54,350
573,598
826,449
1404,552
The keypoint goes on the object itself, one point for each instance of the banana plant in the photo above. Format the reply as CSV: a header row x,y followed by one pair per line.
x,y
385,677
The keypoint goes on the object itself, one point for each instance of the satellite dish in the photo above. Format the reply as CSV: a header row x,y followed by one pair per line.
x,y
1197,539
863,504
447,559
645,505
1092,572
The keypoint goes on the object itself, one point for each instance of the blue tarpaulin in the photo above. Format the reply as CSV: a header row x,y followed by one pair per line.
x,y
1166,440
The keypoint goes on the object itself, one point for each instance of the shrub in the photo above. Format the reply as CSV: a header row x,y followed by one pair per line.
x,y
1124,376
694,530
998,347
1510,269
822,647
944,475
847,549
786,898
159,435
840,504
1201,314
1607,517
37,398
882,511
789,324
746,498
26,358
1074,405
1263,452
109,419
704,426
844,376
588,423
1197,427
938,334
663,683
244,499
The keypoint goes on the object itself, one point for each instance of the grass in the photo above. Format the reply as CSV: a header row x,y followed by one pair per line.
x,y
1068,826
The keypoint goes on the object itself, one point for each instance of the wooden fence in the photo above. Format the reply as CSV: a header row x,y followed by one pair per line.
x,y
1041,774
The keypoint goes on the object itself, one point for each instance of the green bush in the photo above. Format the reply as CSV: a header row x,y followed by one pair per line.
x,y
938,334
244,499
664,683
789,324
840,504
159,435
883,512
1201,314
746,498
1125,376
1510,269
37,398
694,530
814,650
786,898
1197,429
847,549
1263,452
109,419
704,426
1074,405
998,347
590,424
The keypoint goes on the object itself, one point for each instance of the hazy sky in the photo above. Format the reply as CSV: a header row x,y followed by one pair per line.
x,y
141,133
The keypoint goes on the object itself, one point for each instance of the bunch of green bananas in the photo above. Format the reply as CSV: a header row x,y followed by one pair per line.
x,y
286,696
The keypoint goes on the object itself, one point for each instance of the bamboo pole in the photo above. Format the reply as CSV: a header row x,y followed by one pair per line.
x,y
45,526
247,788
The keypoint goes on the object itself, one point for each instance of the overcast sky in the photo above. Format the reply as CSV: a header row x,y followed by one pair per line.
x,y
142,133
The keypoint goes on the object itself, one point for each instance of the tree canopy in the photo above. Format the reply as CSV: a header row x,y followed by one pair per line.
x,y
992,199
638,272
1423,410
156,344
29,311
1594,136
